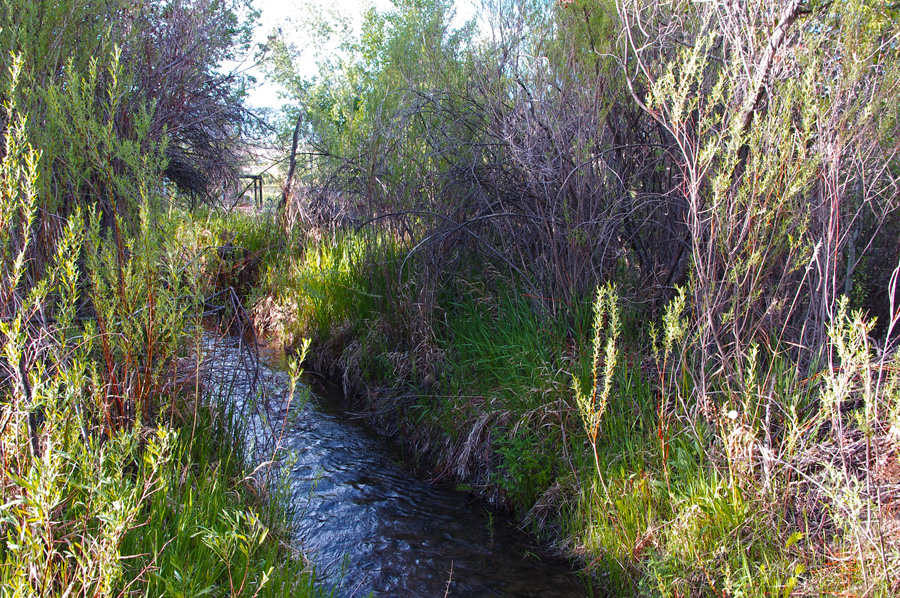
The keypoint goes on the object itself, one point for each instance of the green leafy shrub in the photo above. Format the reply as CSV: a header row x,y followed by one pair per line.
x,y
106,487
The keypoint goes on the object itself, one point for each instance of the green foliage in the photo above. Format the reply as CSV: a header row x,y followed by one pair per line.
x,y
18,181
53,36
528,465
105,164
204,533
73,92
120,91
101,492
73,484
607,325
366,112
87,159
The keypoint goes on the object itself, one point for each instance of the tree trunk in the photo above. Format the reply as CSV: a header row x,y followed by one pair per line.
x,y
292,166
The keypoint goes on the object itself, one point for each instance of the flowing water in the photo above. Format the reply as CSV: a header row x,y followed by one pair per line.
x,y
367,524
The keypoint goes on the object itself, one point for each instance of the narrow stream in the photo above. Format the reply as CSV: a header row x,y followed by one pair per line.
x,y
367,523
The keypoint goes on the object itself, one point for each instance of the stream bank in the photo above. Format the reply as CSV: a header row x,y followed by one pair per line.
x,y
363,519
514,443
613,459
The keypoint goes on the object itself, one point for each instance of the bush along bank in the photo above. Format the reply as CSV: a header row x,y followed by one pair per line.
x,y
119,476
611,436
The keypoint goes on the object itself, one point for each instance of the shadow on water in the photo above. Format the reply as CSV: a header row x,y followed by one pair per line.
x,y
367,524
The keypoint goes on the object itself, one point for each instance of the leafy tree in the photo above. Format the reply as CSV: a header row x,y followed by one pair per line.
x,y
176,50
147,73
370,113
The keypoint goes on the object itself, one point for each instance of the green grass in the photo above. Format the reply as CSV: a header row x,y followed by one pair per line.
x,y
502,348
320,286
207,532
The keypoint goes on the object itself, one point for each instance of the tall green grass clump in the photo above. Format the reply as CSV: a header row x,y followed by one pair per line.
x,y
206,531
500,393
317,287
